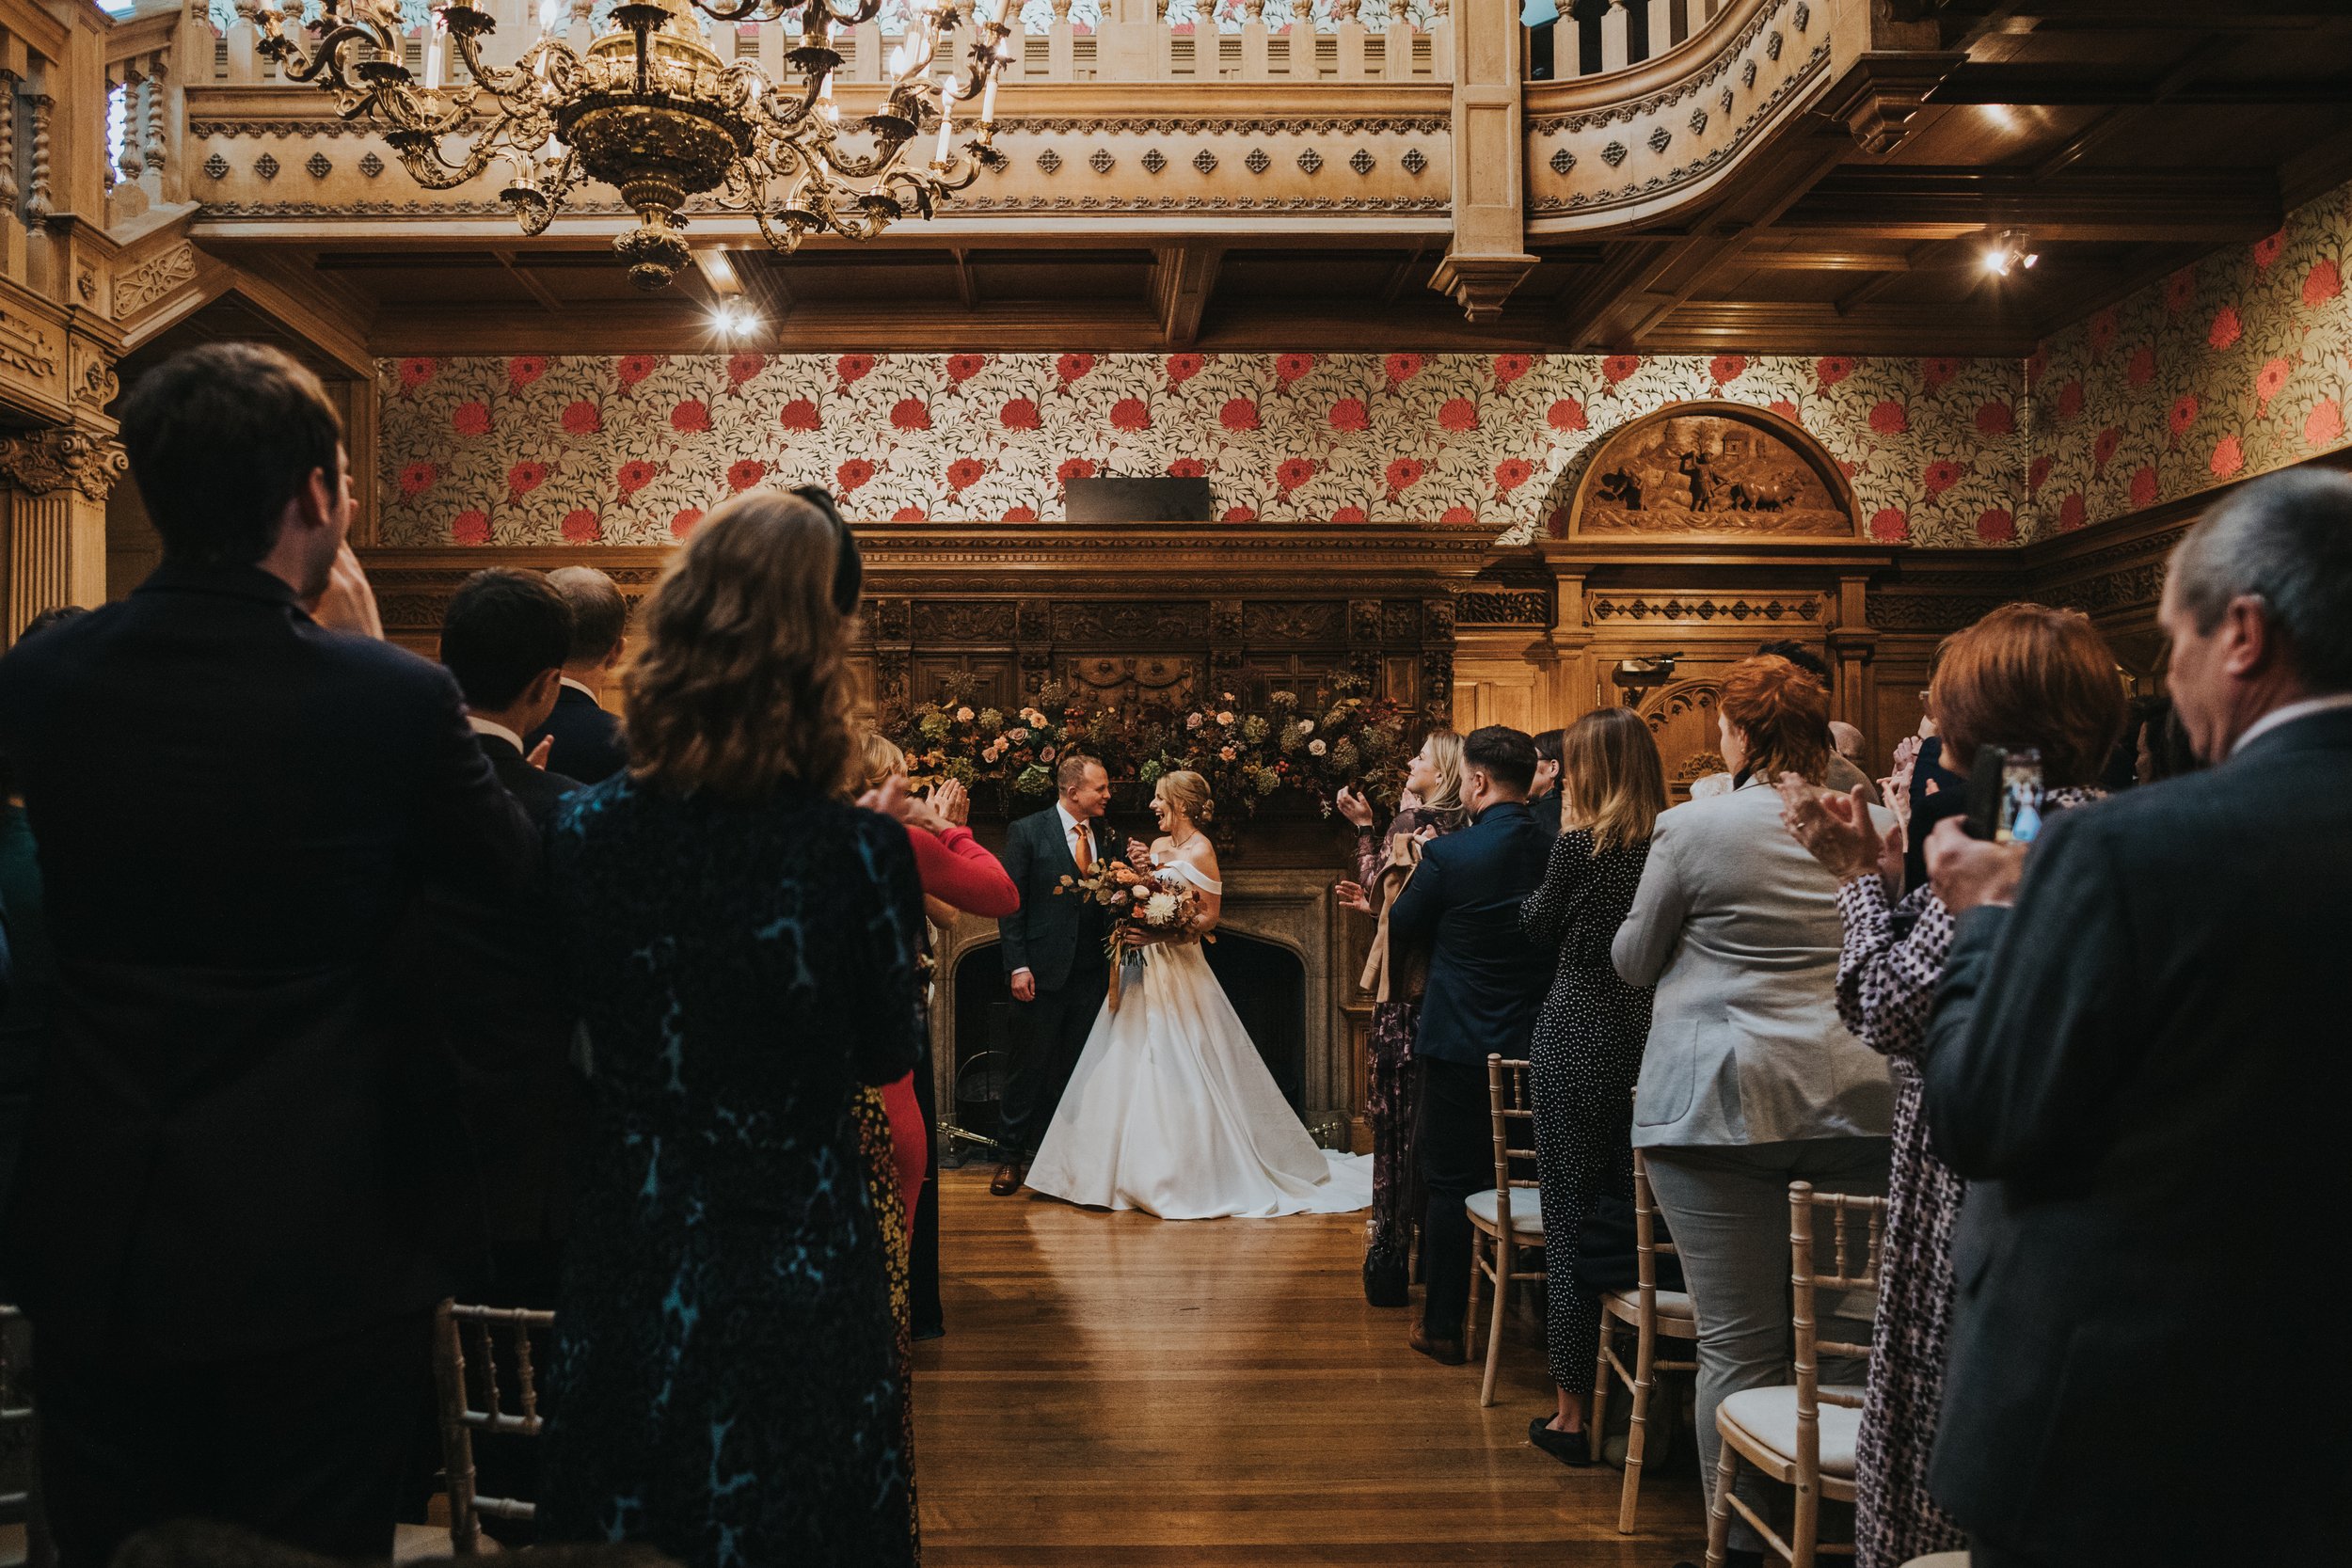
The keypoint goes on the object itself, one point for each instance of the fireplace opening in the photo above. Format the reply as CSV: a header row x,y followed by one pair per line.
x,y
1264,980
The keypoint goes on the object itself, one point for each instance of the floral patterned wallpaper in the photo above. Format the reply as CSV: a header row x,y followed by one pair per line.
x,y
633,449
2237,365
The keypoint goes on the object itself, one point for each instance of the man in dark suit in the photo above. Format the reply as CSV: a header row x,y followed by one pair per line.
x,y
2140,1070
217,1233
1053,949
1485,983
588,745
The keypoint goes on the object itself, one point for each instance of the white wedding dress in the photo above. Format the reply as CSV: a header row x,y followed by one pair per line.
x,y
1171,1110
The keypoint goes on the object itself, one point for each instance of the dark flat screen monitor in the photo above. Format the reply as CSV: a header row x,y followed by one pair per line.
x,y
1138,501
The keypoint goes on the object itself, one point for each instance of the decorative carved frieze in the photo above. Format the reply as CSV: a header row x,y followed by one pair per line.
x,y
984,622
1516,607
143,283
1311,623
27,347
47,460
1706,609
1129,623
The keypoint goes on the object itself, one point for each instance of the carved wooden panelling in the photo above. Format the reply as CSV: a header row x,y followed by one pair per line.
x,y
938,621
1145,681
1712,468
1514,607
1293,623
1700,609
1127,623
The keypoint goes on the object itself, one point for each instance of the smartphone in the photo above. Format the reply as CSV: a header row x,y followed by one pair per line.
x,y
2005,793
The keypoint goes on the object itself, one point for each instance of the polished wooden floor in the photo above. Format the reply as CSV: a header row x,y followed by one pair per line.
x,y
1116,1389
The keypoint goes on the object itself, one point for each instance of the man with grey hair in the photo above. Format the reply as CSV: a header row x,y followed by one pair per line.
x,y
587,738
2140,1070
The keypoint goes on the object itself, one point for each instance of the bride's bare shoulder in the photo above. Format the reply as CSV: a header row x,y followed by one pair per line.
x,y
1201,856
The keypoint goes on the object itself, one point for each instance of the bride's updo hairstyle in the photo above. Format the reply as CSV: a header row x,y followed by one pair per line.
x,y
1188,792
742,681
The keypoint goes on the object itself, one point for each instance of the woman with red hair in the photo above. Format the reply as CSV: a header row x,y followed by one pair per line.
x,y
1749,1079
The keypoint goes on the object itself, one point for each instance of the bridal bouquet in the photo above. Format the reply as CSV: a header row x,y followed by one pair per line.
x,y
1144,909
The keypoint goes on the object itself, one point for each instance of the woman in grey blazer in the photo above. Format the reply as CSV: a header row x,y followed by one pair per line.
x,y
1749,1079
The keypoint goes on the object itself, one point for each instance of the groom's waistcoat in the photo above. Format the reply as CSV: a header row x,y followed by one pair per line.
x,y
1053,935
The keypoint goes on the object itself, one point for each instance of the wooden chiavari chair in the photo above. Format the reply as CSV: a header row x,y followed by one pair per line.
x,y
20,1534
1500,1231
459,1330
1803,1435
1652,1314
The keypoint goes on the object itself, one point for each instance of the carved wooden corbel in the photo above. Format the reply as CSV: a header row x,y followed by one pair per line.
x,y
1879,98
46,460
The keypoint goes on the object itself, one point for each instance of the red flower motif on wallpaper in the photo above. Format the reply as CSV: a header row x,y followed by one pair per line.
x,y
1889,418
1996,526
745,367
1403,473
1995,420
2141,369
1019,414
634,368
1935,373
2270,380
635,475
524,369
1075,468
415,372
911,414
1724,369
2267,249
2180,415
582,418
1400,368
2144,486
2227,329
1511,473
523,478
2103,447
1238,414
1565,414
2070,400
1349,414
963,367
2037,473
1620,367
1072,367
1021,513
469,528
690,417
1941,475
800,414
2323,283
682,523
745,472
1890,525
2324,425
1182,368
1347,515
963,473
1130,415
2073,509
1832,371
1292,472
1291,366
1188,468
2229,456
853,368
908,515
1783,407
2180,290
850,476
1511,367
1457,516
416,479
1239,514
2101,332
471,419
581,527
1458,414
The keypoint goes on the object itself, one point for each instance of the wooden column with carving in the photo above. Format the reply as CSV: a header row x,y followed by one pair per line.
x,y
52,513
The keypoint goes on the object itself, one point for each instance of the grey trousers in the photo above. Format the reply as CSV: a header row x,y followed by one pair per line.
x,y
1727,1206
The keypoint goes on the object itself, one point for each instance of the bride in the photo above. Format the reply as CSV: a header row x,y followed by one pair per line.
x,y
1171,1110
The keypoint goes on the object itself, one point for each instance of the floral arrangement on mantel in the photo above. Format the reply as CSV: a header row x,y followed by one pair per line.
x,y
1343,737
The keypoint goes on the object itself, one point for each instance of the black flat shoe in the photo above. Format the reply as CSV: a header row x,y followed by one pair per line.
x,y
1569,1448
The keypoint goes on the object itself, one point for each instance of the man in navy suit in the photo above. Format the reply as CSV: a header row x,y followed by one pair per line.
x,y
224,1231
588,745
1485,983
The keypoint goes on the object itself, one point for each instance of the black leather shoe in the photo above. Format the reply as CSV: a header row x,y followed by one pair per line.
x,y
1569,1448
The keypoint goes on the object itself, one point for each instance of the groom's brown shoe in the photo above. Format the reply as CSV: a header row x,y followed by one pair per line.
x,y
1445,1353
1008,1179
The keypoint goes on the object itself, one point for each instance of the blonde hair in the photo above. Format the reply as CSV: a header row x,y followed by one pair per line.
x,y
879,758
742,680
1188,792
1611,778
1445,759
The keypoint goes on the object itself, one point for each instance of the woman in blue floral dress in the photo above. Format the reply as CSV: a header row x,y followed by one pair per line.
x,y
726,1382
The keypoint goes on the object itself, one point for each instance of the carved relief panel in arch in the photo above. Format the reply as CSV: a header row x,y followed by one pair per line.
x,y
1682,719
1144,681
1711,469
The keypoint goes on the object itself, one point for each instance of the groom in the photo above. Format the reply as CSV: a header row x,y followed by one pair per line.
x,y
1053,947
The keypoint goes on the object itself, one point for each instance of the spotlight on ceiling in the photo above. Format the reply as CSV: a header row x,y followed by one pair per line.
x,y
733,320
2008,253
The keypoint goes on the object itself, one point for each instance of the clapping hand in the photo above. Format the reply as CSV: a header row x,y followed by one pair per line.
x,y
347,603
952,800
1839,829
1351,896
538,756
889,796
1968,872
1351,804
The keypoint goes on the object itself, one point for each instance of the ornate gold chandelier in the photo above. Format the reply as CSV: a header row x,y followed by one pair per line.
x,y
651,110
